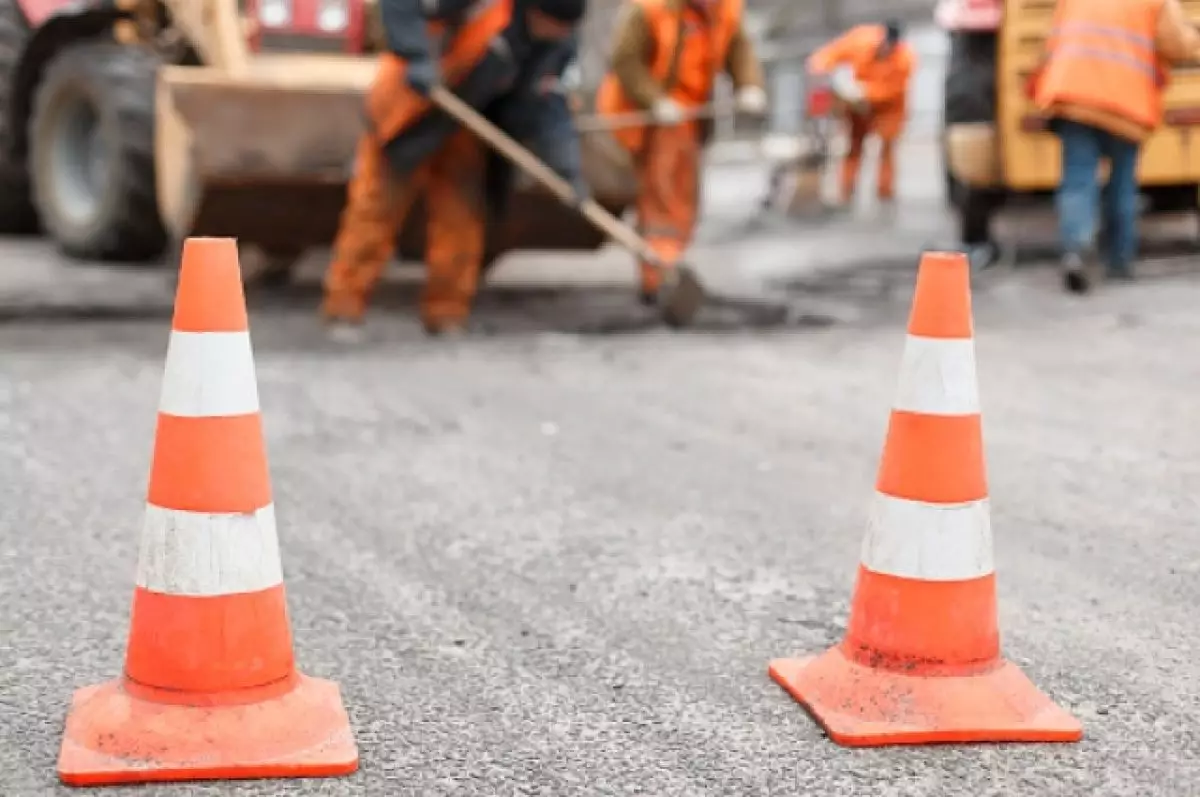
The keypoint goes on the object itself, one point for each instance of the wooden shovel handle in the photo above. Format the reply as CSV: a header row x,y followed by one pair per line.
x,y
599,123
521,157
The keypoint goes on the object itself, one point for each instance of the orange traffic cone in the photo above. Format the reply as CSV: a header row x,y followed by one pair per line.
x,y
921,661
210,688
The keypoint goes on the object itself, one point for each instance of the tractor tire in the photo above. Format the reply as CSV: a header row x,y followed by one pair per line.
x,y
17,215
92,153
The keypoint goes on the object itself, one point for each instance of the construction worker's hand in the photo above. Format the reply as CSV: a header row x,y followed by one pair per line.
x,y
751,100
571,78
422,76
846,86
666,111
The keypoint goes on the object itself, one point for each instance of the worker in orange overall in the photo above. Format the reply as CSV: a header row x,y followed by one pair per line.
x,y
481,50
1101,85
870,68
665,61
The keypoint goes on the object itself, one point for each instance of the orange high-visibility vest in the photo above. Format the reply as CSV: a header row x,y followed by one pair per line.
x,y
392,105
858,48
701,57
1101,55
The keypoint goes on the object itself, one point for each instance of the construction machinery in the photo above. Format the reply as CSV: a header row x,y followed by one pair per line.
x,y
797,178
127,125
998,150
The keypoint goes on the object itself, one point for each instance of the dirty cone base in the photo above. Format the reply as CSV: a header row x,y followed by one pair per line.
x,y
865,707
113,737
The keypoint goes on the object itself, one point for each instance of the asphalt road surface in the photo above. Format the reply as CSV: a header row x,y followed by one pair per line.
x,y
550,563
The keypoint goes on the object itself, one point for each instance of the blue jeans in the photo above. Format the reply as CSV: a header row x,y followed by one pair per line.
x,y
1080,197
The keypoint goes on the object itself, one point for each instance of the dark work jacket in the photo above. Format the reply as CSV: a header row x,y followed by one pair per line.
x,y
536,113
511,87
404,24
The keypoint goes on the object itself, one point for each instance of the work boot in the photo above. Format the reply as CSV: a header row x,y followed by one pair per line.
x,y
1075,275
1122,273
445,328
343,317
983,256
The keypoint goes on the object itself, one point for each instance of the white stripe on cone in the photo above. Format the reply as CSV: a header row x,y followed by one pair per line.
x,y
209,374
931,542
937,377
204,554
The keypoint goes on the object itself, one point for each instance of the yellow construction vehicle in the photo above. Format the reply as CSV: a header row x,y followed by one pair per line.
x,y
126,125
998,150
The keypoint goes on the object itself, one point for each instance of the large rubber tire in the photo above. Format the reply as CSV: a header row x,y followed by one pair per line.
x,y
98,206
17,215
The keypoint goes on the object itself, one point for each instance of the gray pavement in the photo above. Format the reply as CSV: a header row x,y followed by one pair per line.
x,y
551,559
558,564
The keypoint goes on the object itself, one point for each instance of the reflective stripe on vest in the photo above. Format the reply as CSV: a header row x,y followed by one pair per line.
x,y
1103,58
1142,61
720,24
662,21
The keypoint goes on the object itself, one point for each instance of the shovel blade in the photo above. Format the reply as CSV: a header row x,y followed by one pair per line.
x,y
681,297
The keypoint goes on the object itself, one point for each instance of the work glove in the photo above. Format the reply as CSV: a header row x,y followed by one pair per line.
x,y
422,76
847,88
751,100
666,111
571,79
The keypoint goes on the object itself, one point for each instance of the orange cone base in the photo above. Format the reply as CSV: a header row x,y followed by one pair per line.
x,y
113,737
863,707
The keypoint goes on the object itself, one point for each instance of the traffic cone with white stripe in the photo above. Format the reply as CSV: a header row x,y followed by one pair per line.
x,y
920,661
210,688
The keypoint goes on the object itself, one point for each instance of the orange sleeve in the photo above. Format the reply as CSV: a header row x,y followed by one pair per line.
x,y
833,53
894,89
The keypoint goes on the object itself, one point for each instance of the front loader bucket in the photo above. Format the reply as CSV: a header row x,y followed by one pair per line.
x,y
265,157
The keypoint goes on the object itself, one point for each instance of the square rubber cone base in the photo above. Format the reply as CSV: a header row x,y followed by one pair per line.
x,y
113,737
865,707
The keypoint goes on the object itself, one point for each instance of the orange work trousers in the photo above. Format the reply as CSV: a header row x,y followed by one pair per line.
x,y
861,126
377,206
668,194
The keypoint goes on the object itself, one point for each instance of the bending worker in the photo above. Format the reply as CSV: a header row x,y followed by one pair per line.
x,y
1101,86
412,149
879,66
665,62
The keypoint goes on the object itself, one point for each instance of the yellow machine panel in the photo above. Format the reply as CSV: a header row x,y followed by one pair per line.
x,y
1030,155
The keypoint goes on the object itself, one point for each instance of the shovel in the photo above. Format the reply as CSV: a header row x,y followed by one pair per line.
x,y
680,295
609,124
